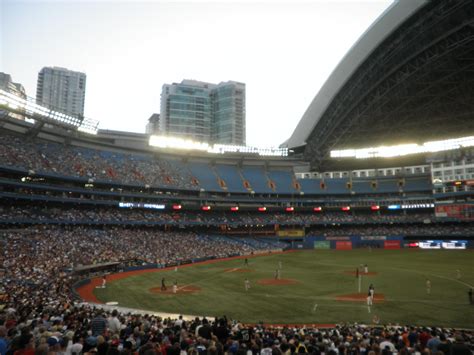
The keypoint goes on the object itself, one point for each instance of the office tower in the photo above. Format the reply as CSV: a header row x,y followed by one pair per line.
x,y
61,90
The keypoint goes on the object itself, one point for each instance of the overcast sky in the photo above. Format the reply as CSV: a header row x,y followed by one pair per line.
x,y
283,51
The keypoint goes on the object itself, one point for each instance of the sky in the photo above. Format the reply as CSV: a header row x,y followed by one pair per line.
x,y
282,50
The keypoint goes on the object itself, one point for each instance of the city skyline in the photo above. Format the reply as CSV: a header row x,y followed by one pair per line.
x,y
281,51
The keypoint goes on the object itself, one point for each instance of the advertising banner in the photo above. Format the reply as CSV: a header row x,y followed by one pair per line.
x,y
292,233
458,211
370,237
343,245
442,244
338,238
391,244
322,244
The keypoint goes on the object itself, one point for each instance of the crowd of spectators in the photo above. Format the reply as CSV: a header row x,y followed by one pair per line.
x,y
329,224
68,330
37,261
42,157
141,170
429,230
115,214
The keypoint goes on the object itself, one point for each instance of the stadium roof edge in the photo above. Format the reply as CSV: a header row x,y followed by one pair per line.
x,y
383,26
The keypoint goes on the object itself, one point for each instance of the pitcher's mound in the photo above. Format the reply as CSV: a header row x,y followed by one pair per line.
x,y
353,273
180,291
277,282
236,269
360,297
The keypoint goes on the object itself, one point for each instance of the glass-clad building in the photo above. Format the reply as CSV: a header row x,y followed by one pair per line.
x,y
228,103
204,112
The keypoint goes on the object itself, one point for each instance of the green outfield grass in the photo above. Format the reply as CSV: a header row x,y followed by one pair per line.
x,y
401,277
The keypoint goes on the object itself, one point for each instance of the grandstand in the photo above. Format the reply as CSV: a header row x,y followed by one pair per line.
x,y
76,205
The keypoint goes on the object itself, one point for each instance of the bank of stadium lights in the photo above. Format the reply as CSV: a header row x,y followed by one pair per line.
x,y
187,144
404,149
27,107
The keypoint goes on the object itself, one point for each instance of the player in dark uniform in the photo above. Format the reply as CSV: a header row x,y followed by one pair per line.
x,y
163,285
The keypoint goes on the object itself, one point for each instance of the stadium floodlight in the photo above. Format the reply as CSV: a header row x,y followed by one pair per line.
x,y
187,144
404,149
29,108
177,143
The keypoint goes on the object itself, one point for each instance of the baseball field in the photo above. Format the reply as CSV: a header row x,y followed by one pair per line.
x,y
313,287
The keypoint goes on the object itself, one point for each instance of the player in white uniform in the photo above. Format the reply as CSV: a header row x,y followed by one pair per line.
x,y
104,281
175,286
428,287
247,284
366,269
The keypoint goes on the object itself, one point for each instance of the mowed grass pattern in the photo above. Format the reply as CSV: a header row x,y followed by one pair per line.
x,y
401,277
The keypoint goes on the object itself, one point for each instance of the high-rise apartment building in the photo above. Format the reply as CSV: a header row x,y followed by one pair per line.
x,y
205,112
61,90
153,125
9,86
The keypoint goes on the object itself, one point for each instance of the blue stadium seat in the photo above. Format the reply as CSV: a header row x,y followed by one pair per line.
x,y
257,178
231,177
205,175
283,181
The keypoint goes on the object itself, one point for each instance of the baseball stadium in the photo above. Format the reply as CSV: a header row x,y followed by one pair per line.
x,y
355,236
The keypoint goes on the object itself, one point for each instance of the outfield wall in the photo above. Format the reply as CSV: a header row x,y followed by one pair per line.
x,y
350,242
379,242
